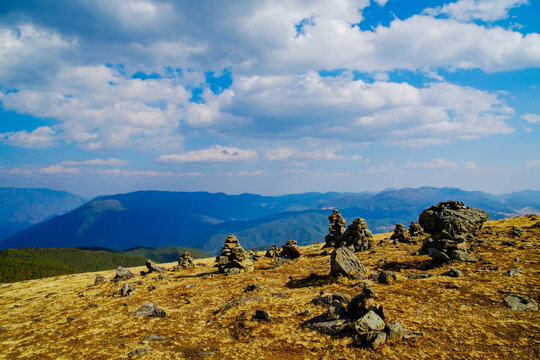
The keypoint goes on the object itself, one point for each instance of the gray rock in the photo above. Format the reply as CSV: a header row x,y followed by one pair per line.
x,y
327,300
369,322
394,331
515,271
387,277
261,315
123,274
282,260
140,352
99,280
252,287
520,302
379,339
152,267
453,272
334,327
452,217
371,339
516,232
437,255
237,302
155,337
336,310
149,309
461,255
126,290
344,262
420,276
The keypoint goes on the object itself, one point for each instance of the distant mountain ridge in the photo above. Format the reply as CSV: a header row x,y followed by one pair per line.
x,y
202,220
22,207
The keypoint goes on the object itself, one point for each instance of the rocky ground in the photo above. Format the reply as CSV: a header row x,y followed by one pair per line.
x,y
213,316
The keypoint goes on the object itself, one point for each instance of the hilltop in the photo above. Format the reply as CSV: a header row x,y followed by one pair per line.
x,y
455,317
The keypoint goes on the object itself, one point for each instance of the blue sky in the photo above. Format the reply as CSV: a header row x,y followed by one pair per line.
x,y
269,97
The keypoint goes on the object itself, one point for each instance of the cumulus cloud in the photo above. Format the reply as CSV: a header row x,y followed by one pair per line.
x,y
485,10
40,138
216,153
531,118
95,162
14,171
59,170
283,153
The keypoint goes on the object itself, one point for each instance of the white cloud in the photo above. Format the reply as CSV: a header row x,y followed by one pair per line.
x,y
95,162
14,171
247,173
485,10
468,165
280,153
283,153
59,170
40,138
144,173
531,118
216,153
381,2
433,164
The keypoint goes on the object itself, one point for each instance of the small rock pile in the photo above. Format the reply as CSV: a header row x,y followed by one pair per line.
x,y
400,234
273,252
452,226
186,261
415,230
357,237
336,229
291,249
361,318
233,259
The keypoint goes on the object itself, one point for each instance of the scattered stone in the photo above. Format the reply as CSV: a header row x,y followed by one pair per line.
x,y
154,337
252,287
369,322
453,272
516,232
261,315
357,237
99,280
462,255
344,262
273,252
71,319
327,300
126,290
152,267
123,274
281,294
290,249
186,261
515,271
253,255
394,331
238,302
282,260
387,277
140,352
419,276
508,243
150,310
153,287
51,294
336,229
520,302
334,327
233,259
536,225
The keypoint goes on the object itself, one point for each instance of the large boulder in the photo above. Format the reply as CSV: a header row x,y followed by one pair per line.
x,y
454,218
344,262
152,267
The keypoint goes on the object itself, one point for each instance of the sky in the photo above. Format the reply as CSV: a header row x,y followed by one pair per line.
x,y
270,97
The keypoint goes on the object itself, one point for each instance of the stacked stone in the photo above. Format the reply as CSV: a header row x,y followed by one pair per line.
x,y
415,230
273,252
253,255
233,259
400,235
290,249
186,261
336,230
361,317
357,237
451,226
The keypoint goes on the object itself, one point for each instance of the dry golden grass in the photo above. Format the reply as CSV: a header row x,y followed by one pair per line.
x,y
461,318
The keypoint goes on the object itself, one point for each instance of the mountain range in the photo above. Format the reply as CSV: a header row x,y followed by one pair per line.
x,y
202,220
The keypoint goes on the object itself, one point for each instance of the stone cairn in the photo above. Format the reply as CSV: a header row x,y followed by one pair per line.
x,y
336,230
451,226
289,252
233,259
400,234
186,261
361,318
415,230
273,252
357,237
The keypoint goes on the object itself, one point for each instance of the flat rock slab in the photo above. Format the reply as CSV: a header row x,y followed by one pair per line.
x,y
149,309
334,327
344,262
237,302
519,302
